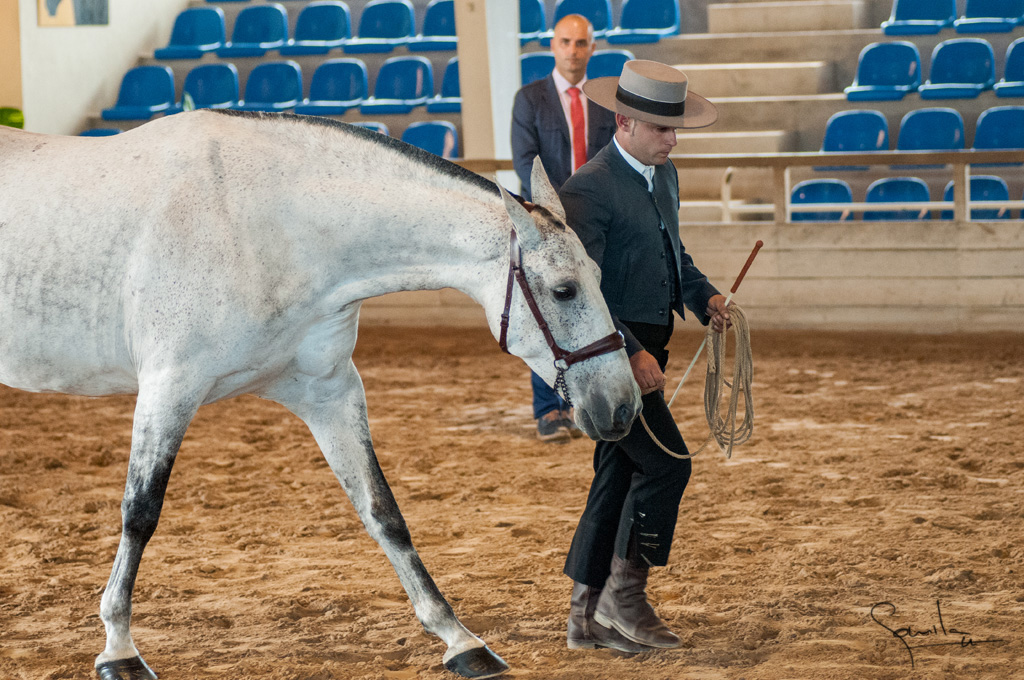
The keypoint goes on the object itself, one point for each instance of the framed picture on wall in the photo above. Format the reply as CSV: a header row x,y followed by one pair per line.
x,y
72,12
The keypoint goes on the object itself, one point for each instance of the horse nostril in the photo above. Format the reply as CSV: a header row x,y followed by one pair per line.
x,y
623,417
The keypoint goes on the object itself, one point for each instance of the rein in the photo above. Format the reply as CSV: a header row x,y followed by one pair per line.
x,y
563,358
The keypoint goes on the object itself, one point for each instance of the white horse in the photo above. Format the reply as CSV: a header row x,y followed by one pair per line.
x,y
208,255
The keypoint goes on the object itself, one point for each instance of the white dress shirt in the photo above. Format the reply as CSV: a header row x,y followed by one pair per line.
x,y
563,85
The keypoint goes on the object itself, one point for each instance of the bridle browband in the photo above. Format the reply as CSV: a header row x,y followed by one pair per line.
x,y
563,359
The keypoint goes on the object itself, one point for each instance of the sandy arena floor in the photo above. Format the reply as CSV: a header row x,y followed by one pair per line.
x,y
882,469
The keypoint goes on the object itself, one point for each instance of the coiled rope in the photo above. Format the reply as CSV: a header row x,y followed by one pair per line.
x,y
723,431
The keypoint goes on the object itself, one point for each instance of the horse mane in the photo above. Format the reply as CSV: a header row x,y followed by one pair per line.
x,y
425,158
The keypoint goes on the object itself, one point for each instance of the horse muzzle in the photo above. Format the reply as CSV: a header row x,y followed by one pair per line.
x,y
618,427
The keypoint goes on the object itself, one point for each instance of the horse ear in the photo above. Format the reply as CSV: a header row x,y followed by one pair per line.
x,y
543,193
524,225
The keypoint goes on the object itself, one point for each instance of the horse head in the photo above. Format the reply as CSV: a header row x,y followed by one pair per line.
x,y
558,322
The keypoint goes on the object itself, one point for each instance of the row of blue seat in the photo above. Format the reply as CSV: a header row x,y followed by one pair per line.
x,y
896,190
336,85
436,136
922,17
929,129
961,68
640,21
321,26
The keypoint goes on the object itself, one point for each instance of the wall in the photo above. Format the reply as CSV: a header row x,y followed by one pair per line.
x,y
69,72
10,56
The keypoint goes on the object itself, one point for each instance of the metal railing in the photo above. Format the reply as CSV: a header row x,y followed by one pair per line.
x,y
781,165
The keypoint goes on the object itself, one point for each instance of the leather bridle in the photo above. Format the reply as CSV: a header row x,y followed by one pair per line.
x,y
563,358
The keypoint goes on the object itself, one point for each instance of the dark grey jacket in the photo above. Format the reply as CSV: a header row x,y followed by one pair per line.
x,y
607,204
539,129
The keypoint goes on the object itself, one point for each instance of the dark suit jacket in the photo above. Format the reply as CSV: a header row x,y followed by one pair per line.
x,y
607,204
539,128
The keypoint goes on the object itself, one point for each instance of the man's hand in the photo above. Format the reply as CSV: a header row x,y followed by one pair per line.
x,y
647,372
719,313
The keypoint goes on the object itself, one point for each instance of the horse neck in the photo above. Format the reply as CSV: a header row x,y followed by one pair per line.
x,y
443,238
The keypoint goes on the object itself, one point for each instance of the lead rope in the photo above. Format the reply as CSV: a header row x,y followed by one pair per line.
x,y
724,431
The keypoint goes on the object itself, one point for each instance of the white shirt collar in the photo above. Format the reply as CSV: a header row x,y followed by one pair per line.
x,y
561,84
646,170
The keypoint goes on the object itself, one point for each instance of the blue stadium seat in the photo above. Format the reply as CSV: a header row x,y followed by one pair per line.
x,y
1000,127
961,69
1012,82
439,137
886,72
919,17
645,21
449,100
859,130
337,86
438,28
145,90
380,128
531,20
402,84
855,131
272,86
257,29
99,132
931,129
321,27
607,63
821,191
210,86
983,188
990,16
383,26
535,65
196,31
897,189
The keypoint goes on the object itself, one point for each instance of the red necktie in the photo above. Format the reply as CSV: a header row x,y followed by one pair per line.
x,y
579,130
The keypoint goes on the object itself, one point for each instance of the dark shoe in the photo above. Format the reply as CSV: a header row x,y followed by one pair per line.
x,y
550,429
570,424
585,633
623,606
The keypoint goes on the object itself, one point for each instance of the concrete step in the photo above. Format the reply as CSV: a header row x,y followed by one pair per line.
x,y
761,79
789,15
755,141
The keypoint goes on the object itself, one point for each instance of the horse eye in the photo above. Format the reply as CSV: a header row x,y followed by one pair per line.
x,y
565,292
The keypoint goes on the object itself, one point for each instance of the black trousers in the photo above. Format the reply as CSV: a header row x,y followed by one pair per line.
x,y
634,497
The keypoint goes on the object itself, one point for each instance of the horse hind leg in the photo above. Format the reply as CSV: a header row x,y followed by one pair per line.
x,y
339,425
160,422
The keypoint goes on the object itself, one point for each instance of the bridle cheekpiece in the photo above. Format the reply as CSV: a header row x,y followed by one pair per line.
x,y
563,358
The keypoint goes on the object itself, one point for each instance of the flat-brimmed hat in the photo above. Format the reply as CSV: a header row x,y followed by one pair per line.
x,y
652,92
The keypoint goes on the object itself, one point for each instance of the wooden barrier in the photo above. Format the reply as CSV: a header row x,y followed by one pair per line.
x,y
918,276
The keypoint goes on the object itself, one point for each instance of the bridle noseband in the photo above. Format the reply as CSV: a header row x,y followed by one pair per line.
x,y
563,359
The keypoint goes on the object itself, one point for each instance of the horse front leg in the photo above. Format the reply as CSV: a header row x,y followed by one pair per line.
x,y
159,426
339,424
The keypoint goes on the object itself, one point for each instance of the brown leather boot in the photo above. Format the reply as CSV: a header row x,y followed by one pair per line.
x,y
623,607
584,633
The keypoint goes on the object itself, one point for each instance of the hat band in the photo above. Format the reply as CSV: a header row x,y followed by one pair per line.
x,y
649,105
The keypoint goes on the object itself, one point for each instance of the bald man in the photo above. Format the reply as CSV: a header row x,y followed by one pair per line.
x,y
543,124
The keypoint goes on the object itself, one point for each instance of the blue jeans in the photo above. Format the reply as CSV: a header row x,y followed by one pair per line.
x,y
545,399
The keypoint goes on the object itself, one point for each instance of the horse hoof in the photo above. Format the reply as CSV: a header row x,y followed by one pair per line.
x,y
479,662
125,669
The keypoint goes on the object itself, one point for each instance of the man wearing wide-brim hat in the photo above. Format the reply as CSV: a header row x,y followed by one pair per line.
x,y
624,205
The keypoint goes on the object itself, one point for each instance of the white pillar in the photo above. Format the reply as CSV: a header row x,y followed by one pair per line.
x,y
488,76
